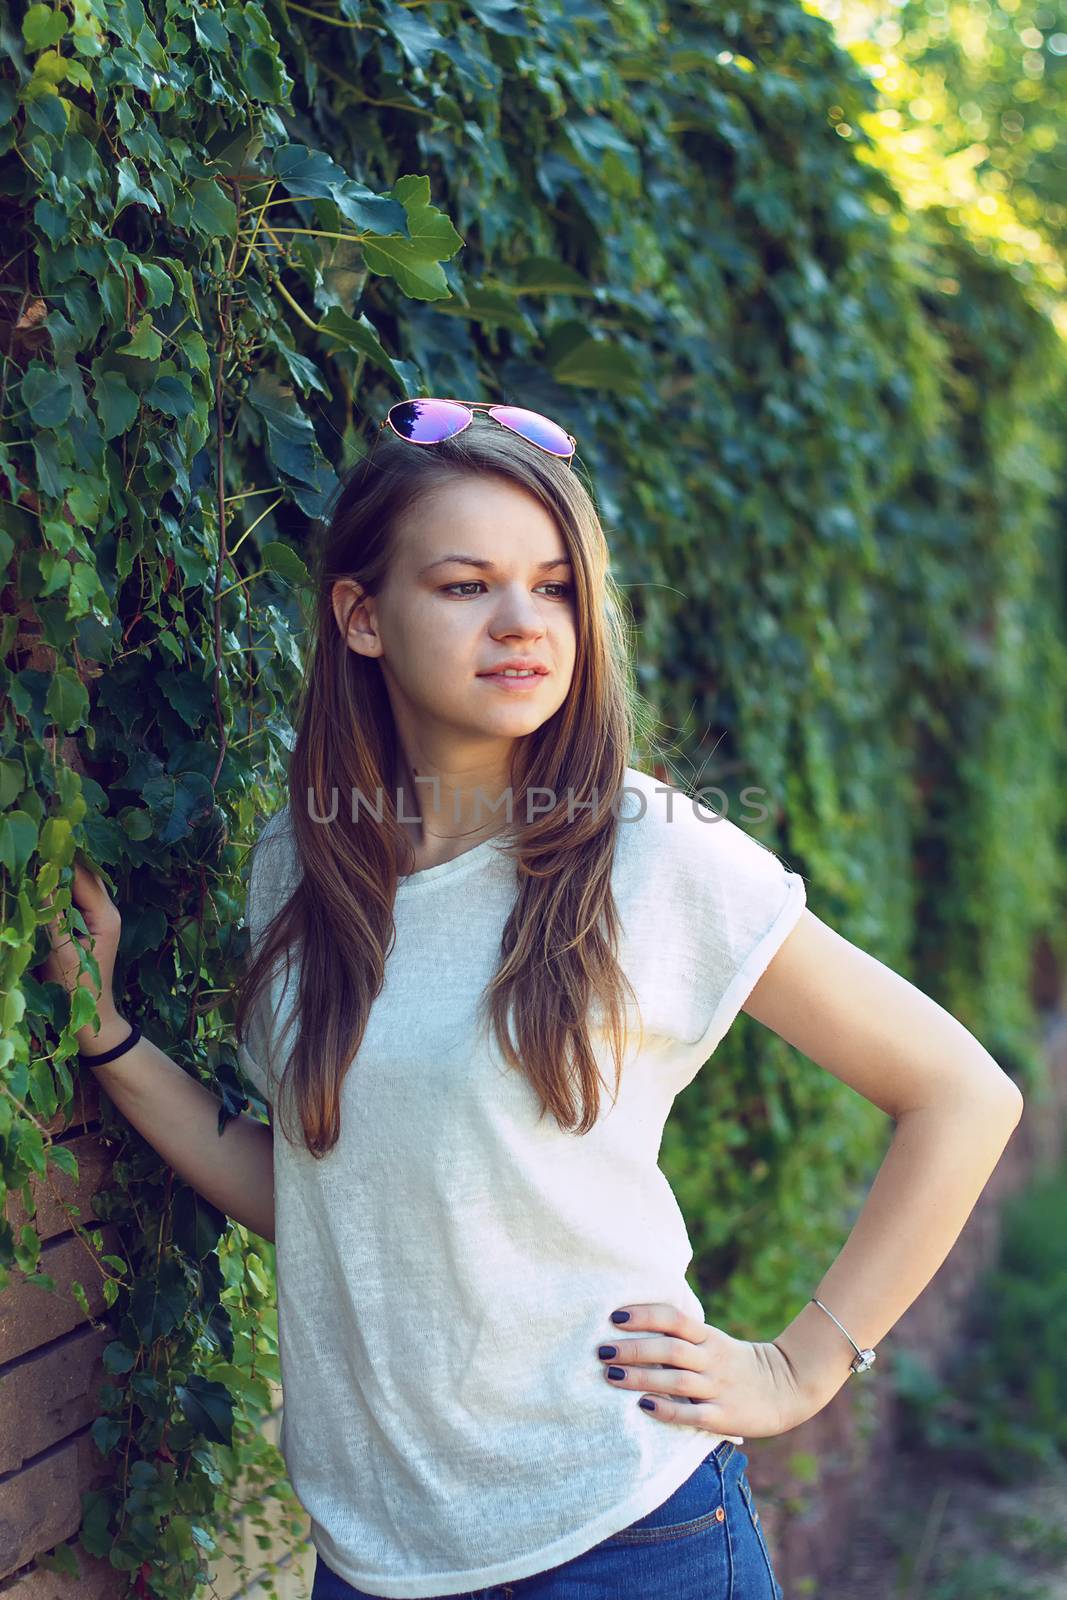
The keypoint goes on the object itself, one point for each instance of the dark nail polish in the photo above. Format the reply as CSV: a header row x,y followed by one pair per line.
x,y
649,1405
620,1316
616,1372
606,1351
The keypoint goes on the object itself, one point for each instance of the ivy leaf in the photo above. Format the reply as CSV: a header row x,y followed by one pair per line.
x,y
283,559
18,840
12,779
50,112
159,285
56,842
208,210
417,38
265,78
85,590
29,1147
144,928
131,191
42,26
28,690
501,16
209,30
61,1156
159,1303
490,308
290,436
40,1280
179,802
592,137
67,702
359,333
47,395
189,694
304,373
143,341
107,1434
82,1008
546,275
219,1327
311,172
173,395
313,501
196,1225
61,1560
53,220
116,404
135,823
415,262
208,1407
596,363
96,1532
117,1357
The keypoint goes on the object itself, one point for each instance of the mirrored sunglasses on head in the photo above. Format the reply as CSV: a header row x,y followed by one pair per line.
x,y
431,421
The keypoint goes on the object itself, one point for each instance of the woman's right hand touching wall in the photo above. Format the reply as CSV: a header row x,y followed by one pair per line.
x,y
232,1167
63,964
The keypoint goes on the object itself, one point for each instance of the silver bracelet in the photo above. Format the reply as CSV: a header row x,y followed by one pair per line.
x,y
863,1358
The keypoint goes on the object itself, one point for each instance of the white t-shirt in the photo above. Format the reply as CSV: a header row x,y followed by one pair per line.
x,y
446,1272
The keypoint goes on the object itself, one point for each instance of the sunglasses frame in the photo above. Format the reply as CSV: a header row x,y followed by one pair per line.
x,y
471,407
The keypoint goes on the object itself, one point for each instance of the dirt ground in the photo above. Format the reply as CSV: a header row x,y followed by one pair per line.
x,y
942,1534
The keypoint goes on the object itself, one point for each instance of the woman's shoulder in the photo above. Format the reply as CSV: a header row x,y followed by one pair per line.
x,y
640,786
657,814
663,826
651,821
279,822
275,845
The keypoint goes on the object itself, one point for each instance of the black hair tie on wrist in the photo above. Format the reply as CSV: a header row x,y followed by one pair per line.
x,y
109,1055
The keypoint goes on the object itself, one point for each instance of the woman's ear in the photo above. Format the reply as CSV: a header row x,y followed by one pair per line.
x,y
354,612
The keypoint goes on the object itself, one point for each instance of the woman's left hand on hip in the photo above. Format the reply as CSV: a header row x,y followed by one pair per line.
x,y
728,1386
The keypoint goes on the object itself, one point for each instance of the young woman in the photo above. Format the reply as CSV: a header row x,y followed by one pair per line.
x,y
487,954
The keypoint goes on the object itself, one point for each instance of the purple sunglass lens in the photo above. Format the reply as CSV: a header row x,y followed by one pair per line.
x,y
533,426
428,421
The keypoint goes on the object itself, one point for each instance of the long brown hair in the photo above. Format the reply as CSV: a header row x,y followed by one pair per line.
x,y
558,950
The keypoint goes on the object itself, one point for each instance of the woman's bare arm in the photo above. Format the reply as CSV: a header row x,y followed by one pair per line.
x,y
179,1117
955,1109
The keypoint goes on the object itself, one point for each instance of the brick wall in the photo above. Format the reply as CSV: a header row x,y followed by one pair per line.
x,y
50,1374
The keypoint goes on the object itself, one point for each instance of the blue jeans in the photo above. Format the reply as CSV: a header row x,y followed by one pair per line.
x,y
705,1542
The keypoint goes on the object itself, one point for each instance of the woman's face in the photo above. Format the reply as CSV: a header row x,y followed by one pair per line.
x,y
439,624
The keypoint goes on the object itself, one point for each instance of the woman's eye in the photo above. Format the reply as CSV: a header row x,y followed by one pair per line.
x,y
476,583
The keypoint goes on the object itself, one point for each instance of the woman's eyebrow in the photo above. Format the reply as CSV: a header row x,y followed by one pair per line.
x,y
487,566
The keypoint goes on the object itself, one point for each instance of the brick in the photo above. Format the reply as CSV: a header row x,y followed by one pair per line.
x,y
31,1316
40,1505
49,1394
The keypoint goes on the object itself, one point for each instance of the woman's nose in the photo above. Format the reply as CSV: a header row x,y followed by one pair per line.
x,y
517,614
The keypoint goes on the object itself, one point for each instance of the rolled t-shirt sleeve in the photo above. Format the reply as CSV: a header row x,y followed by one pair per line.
x,y
249,1052
739,903
267,880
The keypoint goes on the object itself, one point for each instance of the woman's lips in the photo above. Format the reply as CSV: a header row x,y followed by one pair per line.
x,y
514,685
